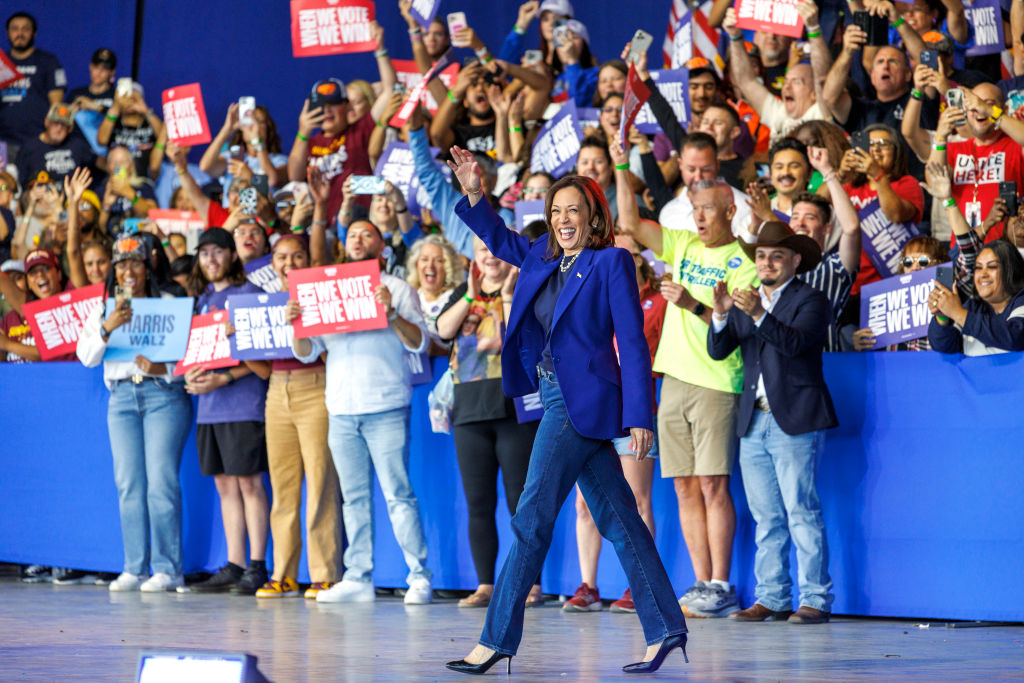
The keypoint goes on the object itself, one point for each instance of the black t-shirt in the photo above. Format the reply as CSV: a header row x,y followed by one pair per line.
x,y
139,140
105,99
24,103
475,138
57,160
866,112
122,207
774,77
730,170
5,243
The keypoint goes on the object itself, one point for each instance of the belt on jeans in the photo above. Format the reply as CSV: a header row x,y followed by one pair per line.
x,y
546,374
762,405
135,379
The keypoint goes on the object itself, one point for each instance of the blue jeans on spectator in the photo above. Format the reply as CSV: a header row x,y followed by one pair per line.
x,y
148,425
778,477
359,445
561,456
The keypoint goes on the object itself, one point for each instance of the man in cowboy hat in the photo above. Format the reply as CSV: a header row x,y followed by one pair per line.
x,y
784,410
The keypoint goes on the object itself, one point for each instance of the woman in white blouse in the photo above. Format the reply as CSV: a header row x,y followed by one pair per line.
x,y
148,418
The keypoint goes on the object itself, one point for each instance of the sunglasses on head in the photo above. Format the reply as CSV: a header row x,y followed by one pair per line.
x,y
922,261
284,204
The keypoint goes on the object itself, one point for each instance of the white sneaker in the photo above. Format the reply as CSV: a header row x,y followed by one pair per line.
x,y
419,593
161,582
348,591
126,582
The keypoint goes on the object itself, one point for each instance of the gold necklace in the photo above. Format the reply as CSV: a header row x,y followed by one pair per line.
x,y
566,266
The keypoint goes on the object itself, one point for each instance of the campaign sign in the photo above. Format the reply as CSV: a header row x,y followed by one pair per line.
x,y
882,239
896,308
419,366
57,321
396,164
528,212
171,220
416,94
261,331
331,27
207,344
158,330
260,272
558,143
636,95
185,116
8,71
772,16
409,75
674,86
588,117
528,408
337,298
682,41
424,11
987,19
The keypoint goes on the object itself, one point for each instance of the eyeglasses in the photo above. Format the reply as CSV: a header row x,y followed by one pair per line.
x,y
612,110
85,206
535,190
880,143
284,204
922,261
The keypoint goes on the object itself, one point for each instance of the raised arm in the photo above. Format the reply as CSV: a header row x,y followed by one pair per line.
x,y
309,120
441,134
846,214
74,186
834,92
742,72
179,157
662,110
956,21
213,163
821,58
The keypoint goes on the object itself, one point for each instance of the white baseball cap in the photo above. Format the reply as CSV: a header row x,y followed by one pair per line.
x,y
560,7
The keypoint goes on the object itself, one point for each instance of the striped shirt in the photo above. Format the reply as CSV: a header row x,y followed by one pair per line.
x,y
834,281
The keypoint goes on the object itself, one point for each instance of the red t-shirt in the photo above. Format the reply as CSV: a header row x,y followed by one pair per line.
x,y
341,156
977,172
907,188
16,329
216,215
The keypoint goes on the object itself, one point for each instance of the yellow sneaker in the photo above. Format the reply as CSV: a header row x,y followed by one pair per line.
x,y
279,589
315,588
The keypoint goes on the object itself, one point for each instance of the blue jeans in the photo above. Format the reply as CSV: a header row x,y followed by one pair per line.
x,y
359,445
560,457
148,425
778,477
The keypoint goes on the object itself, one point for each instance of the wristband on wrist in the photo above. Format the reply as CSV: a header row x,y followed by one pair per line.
x,y
380,123
166,243
515,129
482,52
297,228
111,117
160,147
135,199
380,53
520,31
735,39
916,94
467,298
949,202
256,141
302,137
231,378
452,97
181,171
811,29
941,318
828,177
404,209
997,113
897,23
814,34
322,224
939,148
621,167
415,31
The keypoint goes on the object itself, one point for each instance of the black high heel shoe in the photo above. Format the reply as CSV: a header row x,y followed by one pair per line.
x,y
667,645
465,667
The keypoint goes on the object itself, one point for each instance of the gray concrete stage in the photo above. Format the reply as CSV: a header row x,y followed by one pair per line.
x,y
50,633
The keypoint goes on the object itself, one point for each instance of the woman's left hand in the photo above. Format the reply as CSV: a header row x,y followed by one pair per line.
x,y
946,302
642,440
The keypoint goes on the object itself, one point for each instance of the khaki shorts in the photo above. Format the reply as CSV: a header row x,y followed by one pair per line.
x,y
697,430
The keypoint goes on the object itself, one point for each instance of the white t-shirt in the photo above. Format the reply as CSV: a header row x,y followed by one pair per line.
x,y
773,115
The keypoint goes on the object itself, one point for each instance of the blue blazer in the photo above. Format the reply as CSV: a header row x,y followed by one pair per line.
x,y
599,301
787,349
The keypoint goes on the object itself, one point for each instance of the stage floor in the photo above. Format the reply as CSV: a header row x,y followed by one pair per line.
x,y
52,632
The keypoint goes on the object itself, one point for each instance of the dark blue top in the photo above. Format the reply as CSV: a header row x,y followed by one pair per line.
x,y
544,309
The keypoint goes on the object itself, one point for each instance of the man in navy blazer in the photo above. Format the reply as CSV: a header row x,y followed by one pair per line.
x,y
784,411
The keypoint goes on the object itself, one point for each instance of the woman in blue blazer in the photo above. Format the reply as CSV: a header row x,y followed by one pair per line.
x,y
574,293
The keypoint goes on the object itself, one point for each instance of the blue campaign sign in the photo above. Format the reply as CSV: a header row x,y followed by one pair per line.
x,y
589,117
558,143
261,331
420,367
896,308
424,11
396,165
674,85
261,273
528,408
882,239
528,212
158,330
987,19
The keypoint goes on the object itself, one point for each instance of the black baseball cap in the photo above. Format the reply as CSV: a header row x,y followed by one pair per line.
x,y
330,91
218,237
106,57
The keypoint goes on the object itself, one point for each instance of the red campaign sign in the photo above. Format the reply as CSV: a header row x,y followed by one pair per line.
x,y
207,344
409,75
185,116
772,16
332,27
412,101
171,220
633,99
337,298
57,321
8,72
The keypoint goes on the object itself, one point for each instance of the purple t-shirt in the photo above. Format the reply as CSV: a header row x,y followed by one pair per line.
x,y
243,400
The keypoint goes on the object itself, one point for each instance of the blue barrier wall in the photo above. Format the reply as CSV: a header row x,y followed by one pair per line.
x,y
920,485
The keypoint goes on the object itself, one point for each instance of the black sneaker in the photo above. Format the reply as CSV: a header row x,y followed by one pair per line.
x,y
252,579
224,579
72,577
36,573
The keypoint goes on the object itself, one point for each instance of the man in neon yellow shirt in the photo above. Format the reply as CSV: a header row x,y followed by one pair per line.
x,y
699,396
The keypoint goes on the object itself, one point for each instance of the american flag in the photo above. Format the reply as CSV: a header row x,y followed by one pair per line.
x,y
683,23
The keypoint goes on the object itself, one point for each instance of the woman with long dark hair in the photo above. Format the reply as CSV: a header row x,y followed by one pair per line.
x,y
573,294
148,419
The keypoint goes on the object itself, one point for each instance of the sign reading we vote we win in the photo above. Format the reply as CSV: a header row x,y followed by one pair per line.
x,y
337,298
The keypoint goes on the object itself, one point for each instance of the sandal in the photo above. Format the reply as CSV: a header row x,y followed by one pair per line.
x,y
476,599
535,598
